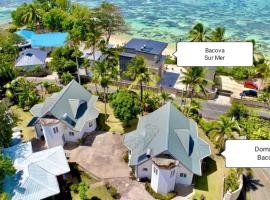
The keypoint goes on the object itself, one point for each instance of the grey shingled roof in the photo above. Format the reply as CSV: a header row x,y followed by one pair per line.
x,y
31,57
146,46
73,105
167,130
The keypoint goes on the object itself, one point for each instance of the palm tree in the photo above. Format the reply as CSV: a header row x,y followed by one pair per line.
x,y
198,33
264,70
218,35
191,110
33,14
75,36
165,97
93,40
194,78
103,74
139,73
222,130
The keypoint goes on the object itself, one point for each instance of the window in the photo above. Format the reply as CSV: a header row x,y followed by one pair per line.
x,y
172,173
55,130
90,124
145,169
183,175
71,133
155,171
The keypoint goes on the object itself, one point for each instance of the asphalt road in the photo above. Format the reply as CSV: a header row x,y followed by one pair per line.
x,y
262,187
212,111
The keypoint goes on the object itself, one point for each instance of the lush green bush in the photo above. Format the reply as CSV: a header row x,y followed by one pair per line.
x,y
231,181
53,87
167,196
125,157
170,60
126,105
238,73
12,28
3,196
82,188
66,77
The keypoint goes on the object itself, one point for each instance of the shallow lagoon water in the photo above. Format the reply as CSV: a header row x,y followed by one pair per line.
x,y
170,20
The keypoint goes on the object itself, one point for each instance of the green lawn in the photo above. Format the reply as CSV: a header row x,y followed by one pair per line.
x,y
211,183
23,119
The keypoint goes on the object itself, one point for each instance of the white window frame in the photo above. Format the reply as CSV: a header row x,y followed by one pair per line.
x,y
183,175
55,129
172,173
155,171
90,124
71,133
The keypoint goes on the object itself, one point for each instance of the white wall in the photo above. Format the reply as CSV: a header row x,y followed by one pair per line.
x,y
55,139
184,180
140,173
38,130
163,182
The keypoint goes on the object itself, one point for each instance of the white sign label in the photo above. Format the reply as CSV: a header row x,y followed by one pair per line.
x,y
247,153
214,54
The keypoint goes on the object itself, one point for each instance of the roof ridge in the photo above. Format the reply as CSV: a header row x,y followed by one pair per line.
x,y
168,124
60,96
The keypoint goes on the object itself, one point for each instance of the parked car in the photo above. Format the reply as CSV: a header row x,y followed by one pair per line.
x,y
249,93
250,84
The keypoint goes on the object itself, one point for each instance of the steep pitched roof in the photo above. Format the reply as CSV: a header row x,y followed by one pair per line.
x,y
167,130
36,172
30,57
73,105
146,46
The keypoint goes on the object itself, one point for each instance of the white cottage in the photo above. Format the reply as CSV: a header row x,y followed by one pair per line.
x,y
166,149
65,116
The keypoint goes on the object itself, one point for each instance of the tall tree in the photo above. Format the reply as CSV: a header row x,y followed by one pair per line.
x,y
194,78
223,129
111,19
217,35
198,33
7,120
32,15
139,73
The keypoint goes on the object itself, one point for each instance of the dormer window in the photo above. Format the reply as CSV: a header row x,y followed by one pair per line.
x,y
90,124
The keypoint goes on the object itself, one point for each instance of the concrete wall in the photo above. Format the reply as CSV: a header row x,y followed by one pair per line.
x,y
235,194
251,103
59,139
163,182
141,173
184,180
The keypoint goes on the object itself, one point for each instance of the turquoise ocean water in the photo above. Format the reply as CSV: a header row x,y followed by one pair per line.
x,y
170,20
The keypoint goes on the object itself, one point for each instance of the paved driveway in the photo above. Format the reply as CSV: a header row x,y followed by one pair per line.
x,y
102,156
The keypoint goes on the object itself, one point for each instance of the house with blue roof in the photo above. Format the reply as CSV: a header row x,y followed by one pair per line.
x,y
66,116
30,58
151,50
166,149
36,174
47,40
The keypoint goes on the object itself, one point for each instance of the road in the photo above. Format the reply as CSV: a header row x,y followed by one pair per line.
x,y
212,111
263,185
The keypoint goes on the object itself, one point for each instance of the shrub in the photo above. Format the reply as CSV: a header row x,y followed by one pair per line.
x,y
125,157
12,28
3,196
82,188
170,60
74,188
238,73
66,77
53,87
232,181
167,196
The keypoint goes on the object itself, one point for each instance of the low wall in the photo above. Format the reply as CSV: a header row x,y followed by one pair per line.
x,y
235,194
251,103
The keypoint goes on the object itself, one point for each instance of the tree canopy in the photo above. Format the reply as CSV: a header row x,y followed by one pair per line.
x,y
126,105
